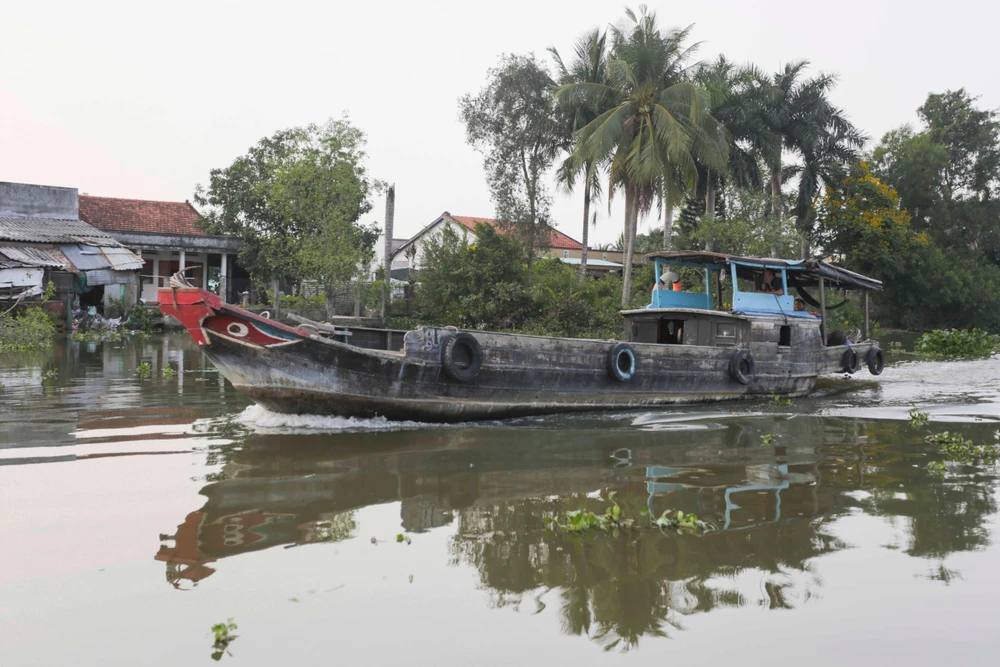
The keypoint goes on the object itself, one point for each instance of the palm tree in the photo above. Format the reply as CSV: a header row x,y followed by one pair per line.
x,y
655,122
804,122
739,105
589,66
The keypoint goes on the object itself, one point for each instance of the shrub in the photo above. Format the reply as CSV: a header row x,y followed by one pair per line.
x,y
973,343
30,329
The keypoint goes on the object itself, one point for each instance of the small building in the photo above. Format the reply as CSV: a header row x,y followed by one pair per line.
x,y
409,256
168,238
42,240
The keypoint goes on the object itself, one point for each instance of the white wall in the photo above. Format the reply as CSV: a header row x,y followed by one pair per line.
x,y
400,260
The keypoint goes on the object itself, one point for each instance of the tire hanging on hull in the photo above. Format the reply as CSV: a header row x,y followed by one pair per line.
x,y
741,366
621,362
461,357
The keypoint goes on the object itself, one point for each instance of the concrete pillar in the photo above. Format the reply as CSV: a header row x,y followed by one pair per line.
x,y
156,272
204,271
224,278
182,261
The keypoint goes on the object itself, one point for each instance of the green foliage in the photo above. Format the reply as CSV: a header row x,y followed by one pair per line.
x,y
487,286
30,329
573,307
50,376
683,523
766,439
918,418
141,319
778,401
582,521
223,633
953,343
168,372
295,200
480,286
512,123
957,448
143,371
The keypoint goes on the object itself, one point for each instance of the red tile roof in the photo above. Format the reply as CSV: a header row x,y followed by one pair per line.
x,y
558,240
140,215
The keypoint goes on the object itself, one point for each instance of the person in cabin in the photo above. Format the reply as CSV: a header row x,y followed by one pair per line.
x,y
668,280
800,304
769,284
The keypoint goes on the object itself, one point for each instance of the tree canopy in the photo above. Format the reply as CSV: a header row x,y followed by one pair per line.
x,y
295,201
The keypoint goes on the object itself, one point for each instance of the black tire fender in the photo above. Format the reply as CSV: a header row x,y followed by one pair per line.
x,y
461,357
741,366
621,362
850,362
876,361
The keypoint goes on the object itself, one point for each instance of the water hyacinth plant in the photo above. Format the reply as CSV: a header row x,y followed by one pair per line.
x,y
958,344
956,448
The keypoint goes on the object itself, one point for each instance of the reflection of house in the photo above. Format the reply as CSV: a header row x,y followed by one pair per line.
x,y
410,254
42,239
168,238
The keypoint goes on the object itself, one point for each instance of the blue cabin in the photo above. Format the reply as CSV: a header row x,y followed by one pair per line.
x,y
696,314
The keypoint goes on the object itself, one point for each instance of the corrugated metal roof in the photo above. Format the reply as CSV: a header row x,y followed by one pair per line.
x,y
101,277
51,230
30,256
85,257
122,259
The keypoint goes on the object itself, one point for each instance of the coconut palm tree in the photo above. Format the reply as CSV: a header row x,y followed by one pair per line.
x,y
738,103
589,66
805,123
655,121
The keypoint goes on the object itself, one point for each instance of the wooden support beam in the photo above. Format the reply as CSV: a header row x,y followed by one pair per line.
x,y
822,308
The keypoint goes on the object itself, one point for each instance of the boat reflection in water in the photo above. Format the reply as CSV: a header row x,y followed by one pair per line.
x,y
774,507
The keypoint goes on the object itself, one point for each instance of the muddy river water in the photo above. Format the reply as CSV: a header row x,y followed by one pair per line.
x,y
137,513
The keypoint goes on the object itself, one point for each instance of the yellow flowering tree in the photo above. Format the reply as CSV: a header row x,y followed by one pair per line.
x,y
926,286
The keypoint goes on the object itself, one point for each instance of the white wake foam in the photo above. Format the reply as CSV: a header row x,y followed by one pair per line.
x,y
263,420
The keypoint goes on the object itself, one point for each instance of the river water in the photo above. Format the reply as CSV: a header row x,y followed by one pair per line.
x,y
136,514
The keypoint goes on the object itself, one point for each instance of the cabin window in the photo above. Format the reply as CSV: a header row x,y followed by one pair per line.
x,y
605,257
726,333
671,332
785,336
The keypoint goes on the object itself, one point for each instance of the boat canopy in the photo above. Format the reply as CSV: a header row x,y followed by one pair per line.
x,y
795,274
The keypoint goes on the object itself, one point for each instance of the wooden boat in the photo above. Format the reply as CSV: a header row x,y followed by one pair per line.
x,y
684,347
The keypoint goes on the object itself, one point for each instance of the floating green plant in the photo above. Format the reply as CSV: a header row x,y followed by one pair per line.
x,y
223,638
918,418
956,448
168,373
144,370
766,439
780,402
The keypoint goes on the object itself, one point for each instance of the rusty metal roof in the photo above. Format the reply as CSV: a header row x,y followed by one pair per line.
x,y
32,256
122,259
51,230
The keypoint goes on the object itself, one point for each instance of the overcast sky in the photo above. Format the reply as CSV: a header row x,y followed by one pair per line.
x,y
138,99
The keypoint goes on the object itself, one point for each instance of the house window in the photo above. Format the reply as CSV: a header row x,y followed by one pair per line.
x,y
565,253
605,258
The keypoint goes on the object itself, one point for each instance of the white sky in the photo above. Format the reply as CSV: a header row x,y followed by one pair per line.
x,y
141,100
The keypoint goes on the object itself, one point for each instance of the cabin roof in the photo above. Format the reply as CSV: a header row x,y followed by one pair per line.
x,y
805,272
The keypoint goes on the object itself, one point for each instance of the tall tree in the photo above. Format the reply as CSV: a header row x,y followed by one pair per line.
x,y
655,121
512,123
805,123
295,201
588,66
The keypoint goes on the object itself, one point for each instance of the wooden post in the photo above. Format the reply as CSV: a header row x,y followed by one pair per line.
x,y
866,331
274,287
822,309
718,289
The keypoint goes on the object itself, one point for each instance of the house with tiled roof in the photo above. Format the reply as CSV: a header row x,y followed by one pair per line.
x,y
409,255
169,239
